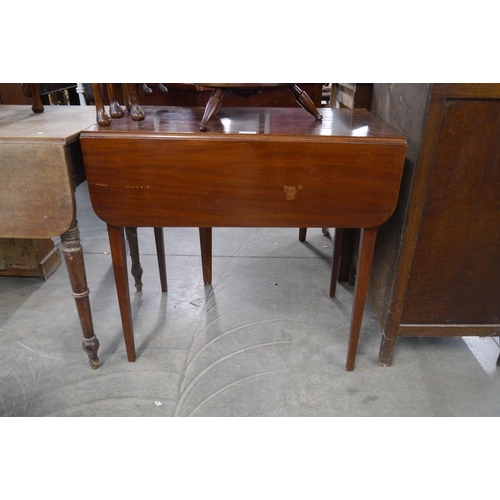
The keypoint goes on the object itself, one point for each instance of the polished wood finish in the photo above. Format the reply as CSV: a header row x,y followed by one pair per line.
x,y
40,158
188,94
220,89
436,270
264,167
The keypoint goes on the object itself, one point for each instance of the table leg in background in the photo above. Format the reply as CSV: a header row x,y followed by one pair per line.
x,y
160,254
337,252
133,245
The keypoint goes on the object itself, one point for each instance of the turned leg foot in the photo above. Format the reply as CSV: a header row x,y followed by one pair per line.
x,y
73,255
115,110
91,346
132,103
102,117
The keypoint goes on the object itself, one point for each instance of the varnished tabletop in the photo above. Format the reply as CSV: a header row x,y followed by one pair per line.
x,y
354,125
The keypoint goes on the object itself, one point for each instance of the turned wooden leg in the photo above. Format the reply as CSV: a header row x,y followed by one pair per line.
x,y
133,245
73,255
145,89
213,105
305,101
117,245
131,102
387,348
365,256
160,254
162,90
102,117
337,247
115,110
302,233
37,101
206,254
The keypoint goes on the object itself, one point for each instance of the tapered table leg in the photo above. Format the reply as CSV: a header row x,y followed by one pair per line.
x,y
118,255
160,254
73,255
206,254
133,245
337,247
365,256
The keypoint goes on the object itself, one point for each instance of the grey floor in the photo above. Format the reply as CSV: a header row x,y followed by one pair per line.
x,y
264,340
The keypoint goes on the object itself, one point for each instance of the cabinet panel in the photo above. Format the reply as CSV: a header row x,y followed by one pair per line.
x,y
456,266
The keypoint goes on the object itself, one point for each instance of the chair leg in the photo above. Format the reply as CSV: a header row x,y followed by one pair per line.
x,y
305,101
302,233
37,101
131,102
213,105
365,256
160,254
115,110
206,254
102,117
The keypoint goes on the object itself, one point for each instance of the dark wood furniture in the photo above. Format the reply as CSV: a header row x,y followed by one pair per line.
x,y
133,96
255,167
249,89
436,269
40,165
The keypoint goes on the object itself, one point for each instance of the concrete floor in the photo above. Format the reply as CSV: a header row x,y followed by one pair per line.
x,y
264,340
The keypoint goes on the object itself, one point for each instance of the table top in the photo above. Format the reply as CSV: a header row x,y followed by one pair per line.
x,y
254,167
59,124
355,126
39,153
